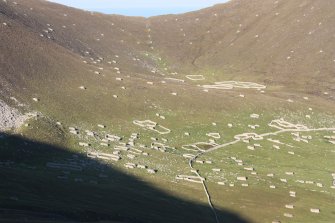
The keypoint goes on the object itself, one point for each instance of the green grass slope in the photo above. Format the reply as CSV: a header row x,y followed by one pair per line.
x,y
87,69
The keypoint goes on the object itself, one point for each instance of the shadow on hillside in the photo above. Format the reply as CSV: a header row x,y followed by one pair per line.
x,y
32,192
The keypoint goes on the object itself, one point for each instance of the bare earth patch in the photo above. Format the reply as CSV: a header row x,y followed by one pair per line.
x,y
11,118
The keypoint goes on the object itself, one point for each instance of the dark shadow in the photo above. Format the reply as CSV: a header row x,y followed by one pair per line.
x,y
32,192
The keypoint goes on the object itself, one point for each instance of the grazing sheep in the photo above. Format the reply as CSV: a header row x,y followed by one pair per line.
x,y
292,194
283,180
289,206
151,171
242,178
249,168
255,116
315,210
84,144
288,215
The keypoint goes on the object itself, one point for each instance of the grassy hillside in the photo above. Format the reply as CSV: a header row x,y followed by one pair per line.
x,y
88,76
285,43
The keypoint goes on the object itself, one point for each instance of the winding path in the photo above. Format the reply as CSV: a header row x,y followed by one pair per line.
x,y
234,142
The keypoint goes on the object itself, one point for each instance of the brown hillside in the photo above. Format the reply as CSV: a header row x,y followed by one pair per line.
x,y
285,43
290,43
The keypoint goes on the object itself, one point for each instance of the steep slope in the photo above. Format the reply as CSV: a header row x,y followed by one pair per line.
x,y
76,30
95,39
50,62
122,86
265,41
287,43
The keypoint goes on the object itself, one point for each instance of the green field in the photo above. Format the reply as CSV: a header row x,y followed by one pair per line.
x,y
122,135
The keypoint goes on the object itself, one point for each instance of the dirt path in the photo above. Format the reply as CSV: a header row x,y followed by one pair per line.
x,y
234,142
